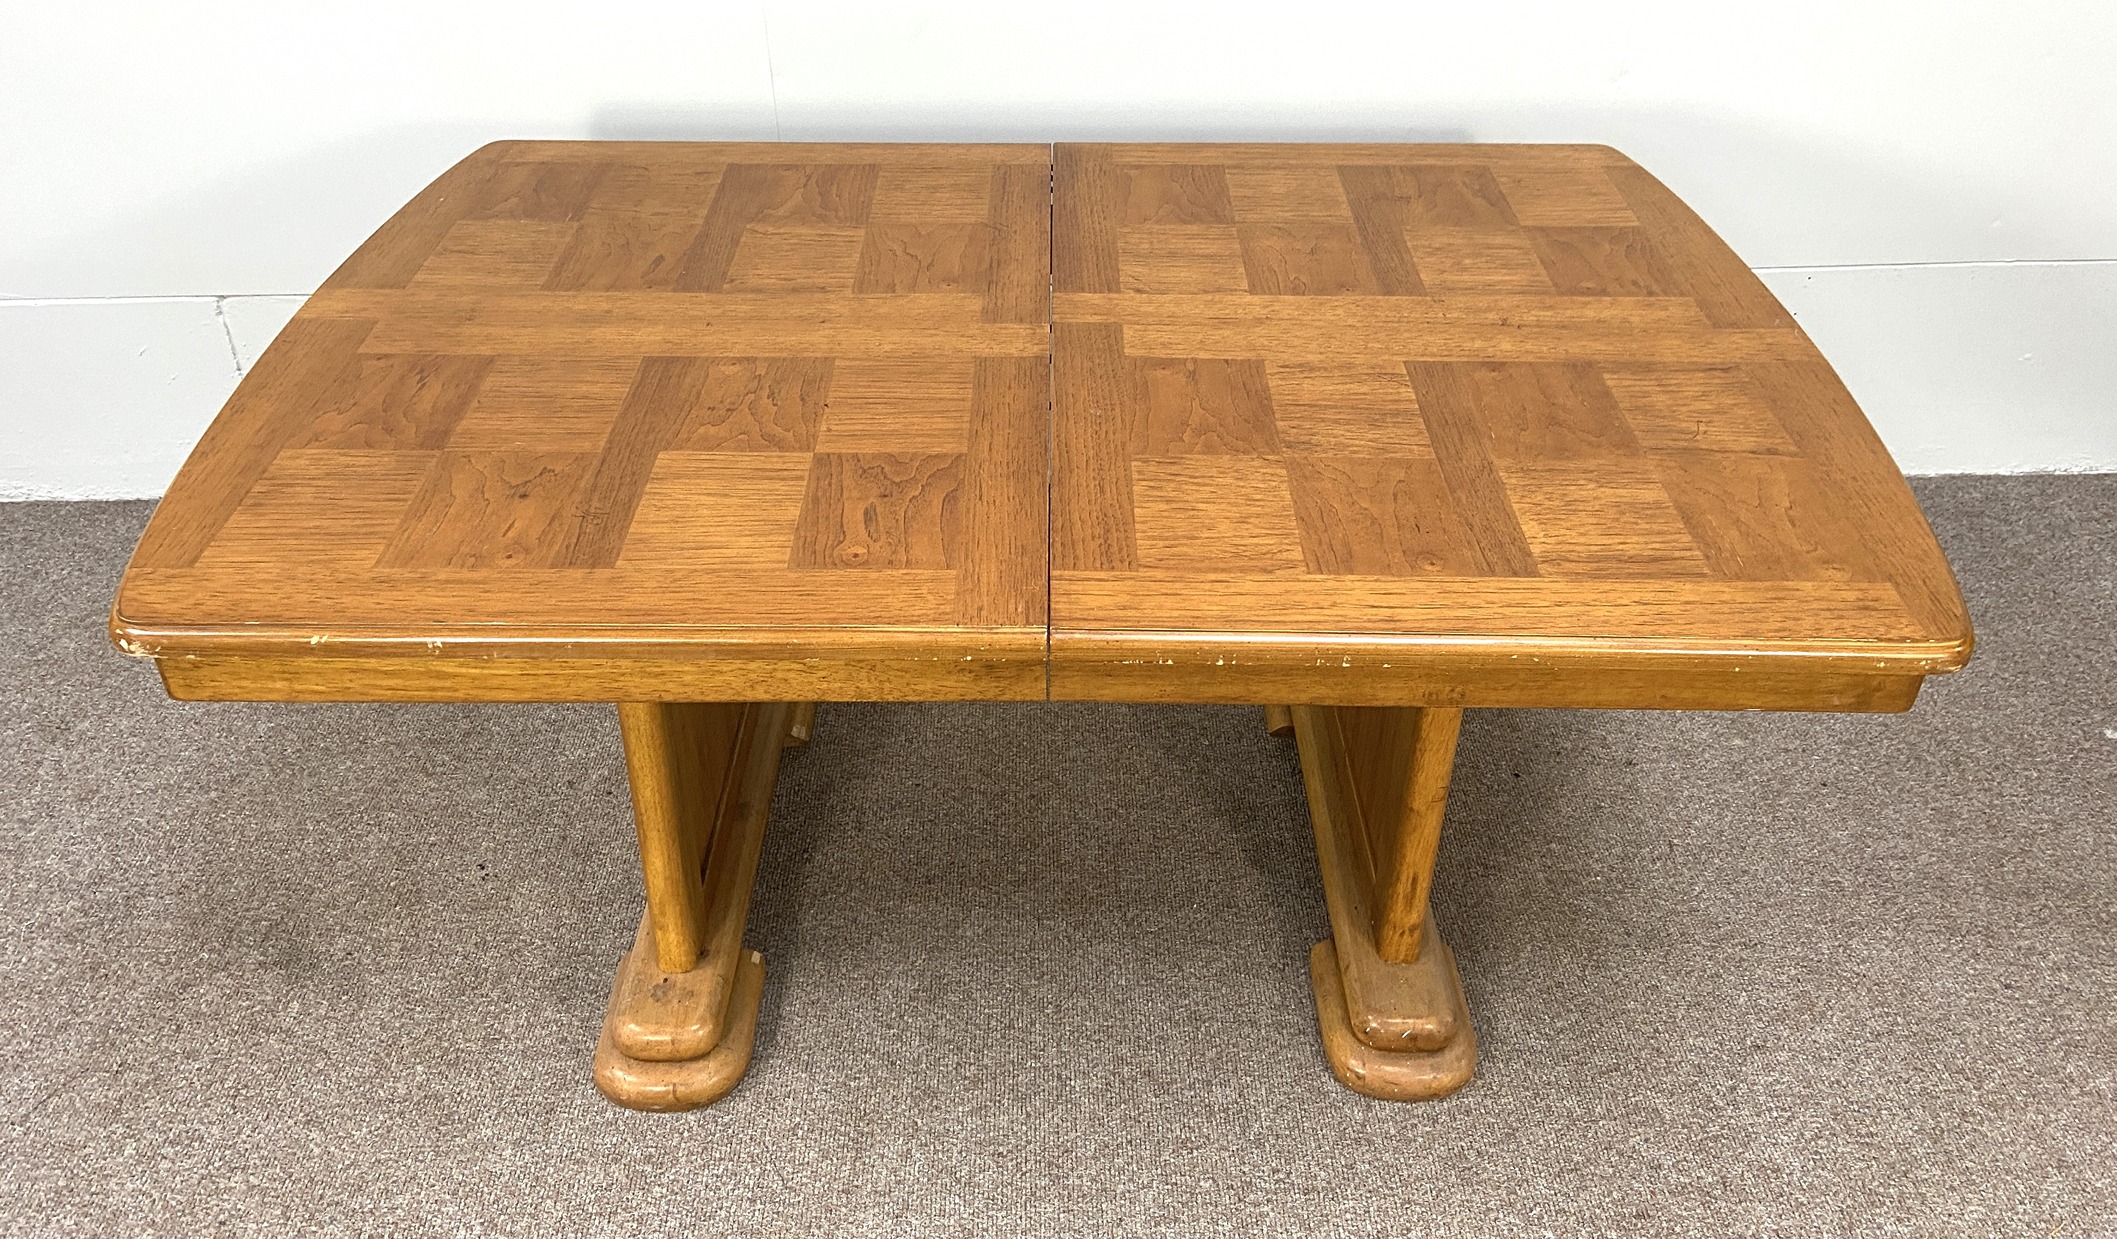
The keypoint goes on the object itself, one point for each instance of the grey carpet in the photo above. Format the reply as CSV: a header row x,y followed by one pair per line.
x,y
1041,969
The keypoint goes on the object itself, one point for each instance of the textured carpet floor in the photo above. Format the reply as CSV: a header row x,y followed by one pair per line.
x,y
268,969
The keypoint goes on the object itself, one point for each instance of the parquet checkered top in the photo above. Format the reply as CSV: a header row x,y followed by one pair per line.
x,y
1450,395
1451,390
577,387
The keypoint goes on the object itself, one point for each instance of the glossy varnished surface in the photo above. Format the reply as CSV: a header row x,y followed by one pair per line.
x,y
619,421
1397,425
1456,425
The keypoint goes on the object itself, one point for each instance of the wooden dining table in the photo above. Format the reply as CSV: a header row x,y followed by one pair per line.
x,y
1364,435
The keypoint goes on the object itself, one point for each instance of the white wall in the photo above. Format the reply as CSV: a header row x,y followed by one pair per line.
x,y
1928,185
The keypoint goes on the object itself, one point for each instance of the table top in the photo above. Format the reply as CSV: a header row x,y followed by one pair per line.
x,y
1408,415
1388,424
639,401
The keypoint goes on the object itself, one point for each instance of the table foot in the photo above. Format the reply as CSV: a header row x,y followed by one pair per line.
x,y
1391,1075
802,725
684,1084
1279,720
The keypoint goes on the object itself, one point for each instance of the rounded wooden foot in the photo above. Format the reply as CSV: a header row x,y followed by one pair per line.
x,y
1279,720
690,1083
1392,1075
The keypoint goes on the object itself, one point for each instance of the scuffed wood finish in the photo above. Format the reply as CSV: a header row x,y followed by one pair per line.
x,y
702,786
861,666
1391,1010
646,404
1456,425
801,726
642,1084
1379,1073
1401,760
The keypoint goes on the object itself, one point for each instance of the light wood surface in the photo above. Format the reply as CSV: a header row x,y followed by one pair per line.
x,y
1381,425
1379,1073
641,1084
1362,434
678,759
1392,1011
702,779
1413,412
1400,762
642,403
708,772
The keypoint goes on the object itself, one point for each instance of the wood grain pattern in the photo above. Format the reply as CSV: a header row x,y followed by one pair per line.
x,y
1394,1022
678,759
702,780
1383,1074
1420,409
1496,410
687,1084
573,389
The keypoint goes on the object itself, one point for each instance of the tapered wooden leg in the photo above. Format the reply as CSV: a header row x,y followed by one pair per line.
x,y
1388,999
683,1010
1279,720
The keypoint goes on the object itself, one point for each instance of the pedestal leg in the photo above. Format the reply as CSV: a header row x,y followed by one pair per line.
x,y
1388,999
801,724
683,1010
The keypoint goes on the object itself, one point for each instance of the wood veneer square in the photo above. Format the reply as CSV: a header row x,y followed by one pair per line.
x,y
880,510
1181,259
1614,521
409,401
798,195
321,506
925,258
1763,517
1270,194
1340,409
785,259
536,190
1710,409
1604,262
1450,196
898,404
958,194
492,510
719,510
1565,198
1175,194
1378,516
542,404
1207,513
501,253
1558,413
1477,260
757,404
1305,259
636,246
1201,406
